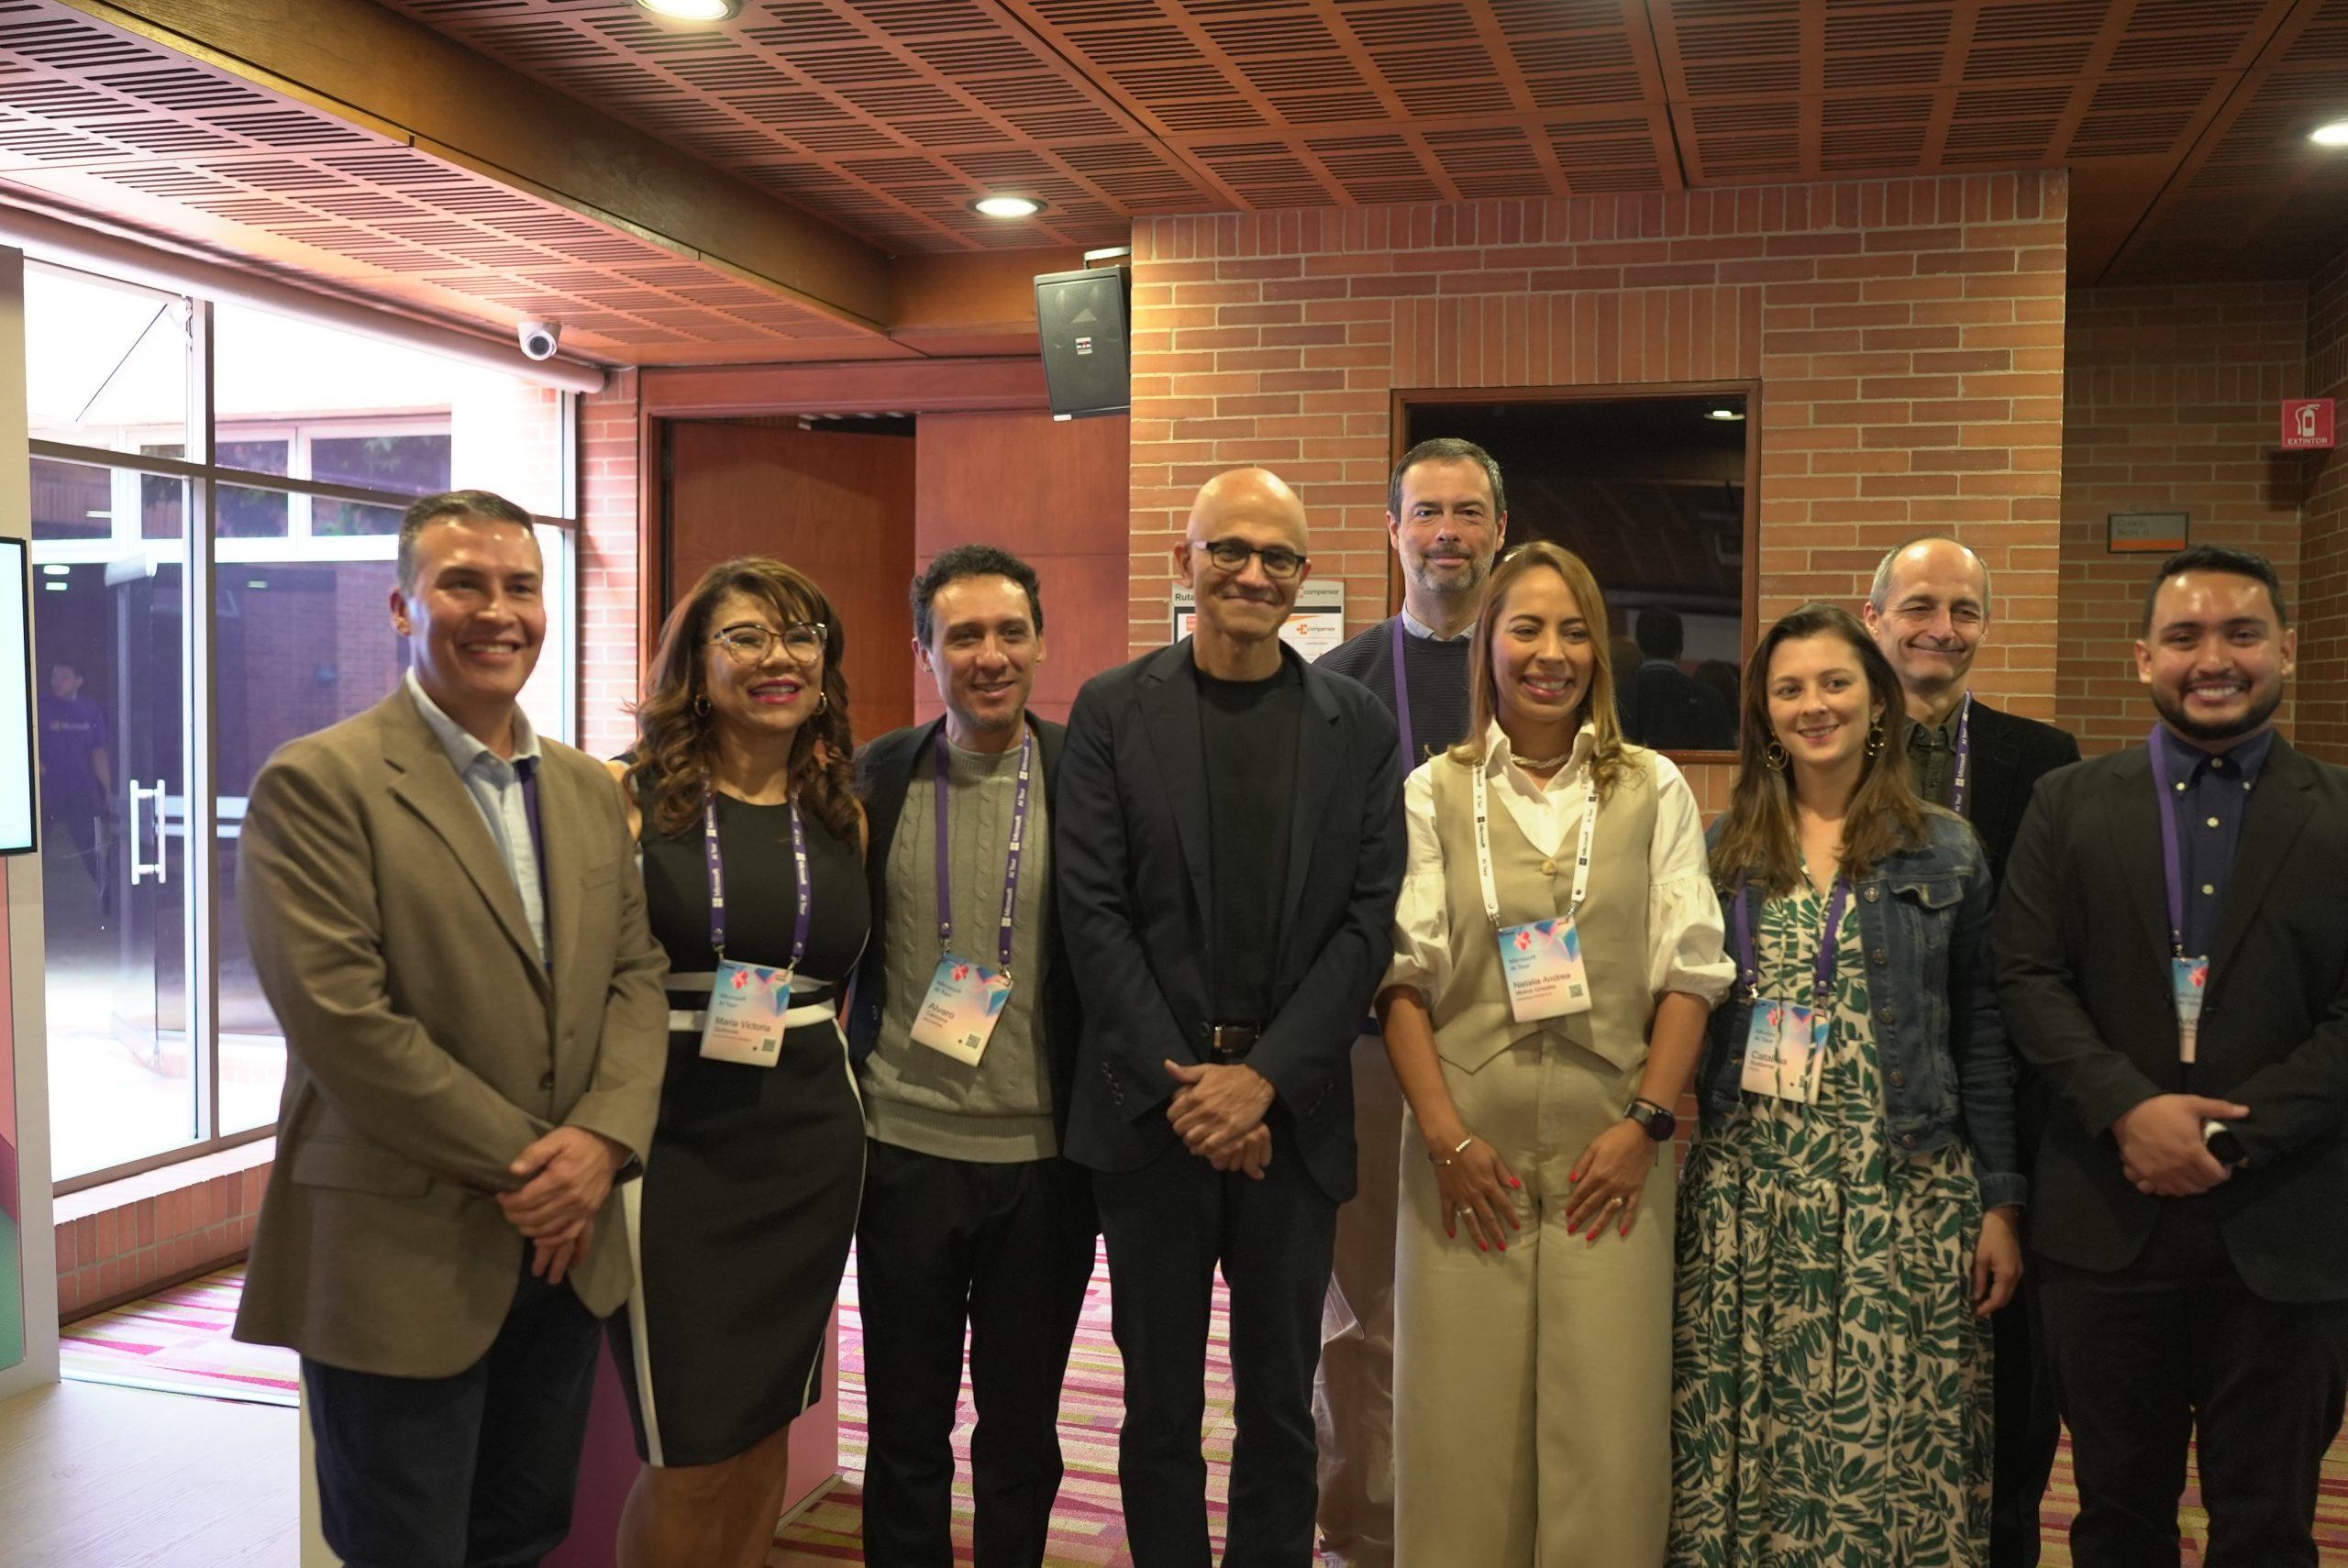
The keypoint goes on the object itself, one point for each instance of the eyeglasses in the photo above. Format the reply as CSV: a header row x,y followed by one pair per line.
x,y
1233,555
751,645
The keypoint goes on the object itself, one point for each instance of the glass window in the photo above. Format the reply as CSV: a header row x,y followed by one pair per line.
x,y
143,1065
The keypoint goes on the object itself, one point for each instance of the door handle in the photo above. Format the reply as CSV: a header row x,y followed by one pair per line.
x,y
139,869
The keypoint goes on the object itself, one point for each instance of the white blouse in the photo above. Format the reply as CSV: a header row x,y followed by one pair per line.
x,y
1684,930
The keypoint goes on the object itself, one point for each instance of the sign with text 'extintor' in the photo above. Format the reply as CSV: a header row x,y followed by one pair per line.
x,y
2307,424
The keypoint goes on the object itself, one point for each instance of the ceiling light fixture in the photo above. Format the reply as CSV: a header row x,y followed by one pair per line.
x,y
2333,135
1007,207
1727,414
694,10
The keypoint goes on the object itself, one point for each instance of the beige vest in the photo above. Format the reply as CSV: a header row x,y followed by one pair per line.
x,y
1472,1018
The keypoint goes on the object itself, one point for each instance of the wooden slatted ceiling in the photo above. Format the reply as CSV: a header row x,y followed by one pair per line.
x,y
2177,116
99,121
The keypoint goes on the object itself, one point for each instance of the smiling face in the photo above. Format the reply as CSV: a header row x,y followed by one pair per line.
x,y
1819,706
1245,603
2215,657
1448,531
765,698
1934,611
475,617
983,652
1542,660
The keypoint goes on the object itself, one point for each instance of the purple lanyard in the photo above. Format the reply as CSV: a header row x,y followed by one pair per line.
x,y
1403,701
1748,960
2172,863
1011,870
1958,789
718,882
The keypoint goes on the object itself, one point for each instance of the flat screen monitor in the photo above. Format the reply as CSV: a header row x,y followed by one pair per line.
x,y
19,813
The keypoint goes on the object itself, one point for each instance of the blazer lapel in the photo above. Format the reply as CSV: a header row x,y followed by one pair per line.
x,y
2135,848
2279,809
426,783
1316,782
563,816
1991,768
1169,704
890,780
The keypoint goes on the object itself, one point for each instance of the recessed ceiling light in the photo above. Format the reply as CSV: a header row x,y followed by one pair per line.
x,y
1730,414
2333,135
694,10
1007,207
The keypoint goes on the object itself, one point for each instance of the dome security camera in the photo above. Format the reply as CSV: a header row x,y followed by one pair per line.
x,y
539,339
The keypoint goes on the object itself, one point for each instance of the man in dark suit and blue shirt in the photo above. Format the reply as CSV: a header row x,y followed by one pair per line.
x,y
972,1217
1929,610
1446,513
2173,962
1229,844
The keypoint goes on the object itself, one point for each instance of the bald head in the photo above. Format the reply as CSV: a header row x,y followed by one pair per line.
x,y
1258,498
1244,555
1927,612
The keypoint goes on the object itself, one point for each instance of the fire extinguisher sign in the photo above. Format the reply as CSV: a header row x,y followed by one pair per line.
x,y
2307,424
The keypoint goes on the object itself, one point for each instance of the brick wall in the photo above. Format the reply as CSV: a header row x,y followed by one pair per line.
x,y
612,645
1907,335
2170,403
2321,680
130,1238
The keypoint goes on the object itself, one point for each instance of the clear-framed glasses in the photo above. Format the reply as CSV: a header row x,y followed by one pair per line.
x,y
1232,556
749,644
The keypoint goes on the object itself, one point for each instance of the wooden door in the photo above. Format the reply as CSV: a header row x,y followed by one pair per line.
x,y
838,507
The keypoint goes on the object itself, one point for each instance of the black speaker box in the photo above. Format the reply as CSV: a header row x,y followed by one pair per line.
x,y
1082,317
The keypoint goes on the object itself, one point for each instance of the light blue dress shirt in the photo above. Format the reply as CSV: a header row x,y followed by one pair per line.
x,y
495,786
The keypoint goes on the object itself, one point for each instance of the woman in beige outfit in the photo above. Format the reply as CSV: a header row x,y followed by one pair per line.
x,y
1534,1268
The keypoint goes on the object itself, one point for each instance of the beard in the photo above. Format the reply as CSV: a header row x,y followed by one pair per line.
x,y
2264,701
1464,586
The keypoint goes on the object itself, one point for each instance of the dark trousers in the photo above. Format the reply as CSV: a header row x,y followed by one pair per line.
x,y
1167,1224
2028,1429
473,1471
1007,1248
2173,1345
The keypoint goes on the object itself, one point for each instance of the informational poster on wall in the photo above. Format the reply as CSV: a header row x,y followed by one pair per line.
x,y
1315,625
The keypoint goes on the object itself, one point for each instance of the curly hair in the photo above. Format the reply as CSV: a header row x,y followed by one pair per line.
x,y
670,771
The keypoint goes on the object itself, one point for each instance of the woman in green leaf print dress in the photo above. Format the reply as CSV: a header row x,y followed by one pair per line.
x,y
1847,1218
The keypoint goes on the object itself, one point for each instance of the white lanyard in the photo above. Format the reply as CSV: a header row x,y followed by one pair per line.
x,y
1484,846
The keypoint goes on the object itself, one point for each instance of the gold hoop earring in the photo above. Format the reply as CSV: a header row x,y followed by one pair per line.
x,y
822,701
1874,738
1774,755
701,705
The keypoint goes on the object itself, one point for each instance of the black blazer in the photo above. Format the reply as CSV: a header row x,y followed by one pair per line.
x,y
884,771
2010,755
2081,945
1131,845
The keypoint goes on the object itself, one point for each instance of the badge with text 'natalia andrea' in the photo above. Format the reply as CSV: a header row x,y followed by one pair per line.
x,y
1542,962
959,1015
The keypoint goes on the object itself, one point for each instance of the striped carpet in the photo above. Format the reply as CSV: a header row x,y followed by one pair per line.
x,y
179,1342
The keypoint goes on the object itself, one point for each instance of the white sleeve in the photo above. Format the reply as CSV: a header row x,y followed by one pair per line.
x,y
1684,930
1422,918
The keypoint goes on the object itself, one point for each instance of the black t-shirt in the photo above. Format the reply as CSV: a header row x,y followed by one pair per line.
x,y
1247,732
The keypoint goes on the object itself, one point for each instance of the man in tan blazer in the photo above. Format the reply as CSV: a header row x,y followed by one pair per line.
x,y
445,914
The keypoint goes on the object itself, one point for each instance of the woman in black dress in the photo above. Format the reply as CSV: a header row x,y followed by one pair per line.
x,y
741,781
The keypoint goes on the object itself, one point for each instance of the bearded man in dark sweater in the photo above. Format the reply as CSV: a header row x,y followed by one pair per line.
x,y
1446,513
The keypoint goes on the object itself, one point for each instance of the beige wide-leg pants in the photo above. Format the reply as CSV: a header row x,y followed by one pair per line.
x,y
1353,1395
1533,1387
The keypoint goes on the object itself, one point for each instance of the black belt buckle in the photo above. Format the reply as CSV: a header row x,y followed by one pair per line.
x,y
1229,1042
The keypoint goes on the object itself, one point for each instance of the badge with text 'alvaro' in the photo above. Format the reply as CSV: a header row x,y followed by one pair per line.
x,y
745,1009
964,1004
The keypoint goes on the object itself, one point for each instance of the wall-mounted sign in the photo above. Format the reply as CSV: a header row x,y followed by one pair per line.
x,y
2145,533
1312,628
2307,424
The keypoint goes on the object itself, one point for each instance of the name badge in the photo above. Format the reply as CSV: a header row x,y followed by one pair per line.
x,y
1541,963
2188,982
745,1009
1784,1044
964,1002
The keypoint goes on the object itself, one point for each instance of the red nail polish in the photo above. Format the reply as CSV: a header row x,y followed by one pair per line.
x,y
1515,1181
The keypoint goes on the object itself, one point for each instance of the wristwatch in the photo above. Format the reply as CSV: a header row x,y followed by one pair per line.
x,y
1654,1119
2223,1146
